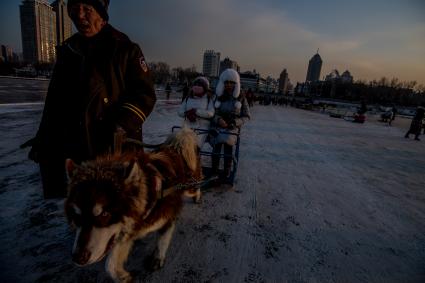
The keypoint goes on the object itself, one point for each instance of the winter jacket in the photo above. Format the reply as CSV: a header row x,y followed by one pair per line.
x,y
98,83
231,107
235,111
204,113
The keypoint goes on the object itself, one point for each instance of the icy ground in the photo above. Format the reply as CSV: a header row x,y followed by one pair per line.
x,y
317,199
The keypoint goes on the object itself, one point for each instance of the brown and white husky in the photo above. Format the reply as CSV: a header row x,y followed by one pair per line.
x,y
114,200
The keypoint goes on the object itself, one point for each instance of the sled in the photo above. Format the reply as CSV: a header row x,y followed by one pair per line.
x,y
348,115
206,156
337,113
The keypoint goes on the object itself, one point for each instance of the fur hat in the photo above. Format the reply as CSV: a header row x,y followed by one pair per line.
x,y
203,81
101,6
229,75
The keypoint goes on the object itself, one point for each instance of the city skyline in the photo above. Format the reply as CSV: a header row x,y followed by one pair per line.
x,y
371,40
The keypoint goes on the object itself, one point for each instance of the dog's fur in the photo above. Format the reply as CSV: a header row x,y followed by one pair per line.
x,y
112,201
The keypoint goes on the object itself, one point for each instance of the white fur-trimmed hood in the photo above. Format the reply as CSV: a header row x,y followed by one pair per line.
x,y
229,75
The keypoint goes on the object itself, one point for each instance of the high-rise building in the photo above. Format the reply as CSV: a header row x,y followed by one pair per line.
x,y
7,53
314,68
63,21
38,31
211,64
283,82
228,64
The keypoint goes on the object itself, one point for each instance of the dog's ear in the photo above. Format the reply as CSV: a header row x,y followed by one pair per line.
x,y
70,168
135,173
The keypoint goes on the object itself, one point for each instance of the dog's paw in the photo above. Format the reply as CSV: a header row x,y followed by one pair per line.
x,y
123,277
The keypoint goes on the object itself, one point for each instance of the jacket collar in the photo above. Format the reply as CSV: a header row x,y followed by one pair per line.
x,y
102,43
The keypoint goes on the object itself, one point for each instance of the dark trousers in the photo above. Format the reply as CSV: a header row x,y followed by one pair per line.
x,y
415,128
228,151
53,178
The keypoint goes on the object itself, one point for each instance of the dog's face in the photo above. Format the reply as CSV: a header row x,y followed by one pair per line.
x,y
95,207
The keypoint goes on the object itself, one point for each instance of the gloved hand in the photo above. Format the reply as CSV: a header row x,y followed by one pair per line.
x,y
222,123
231,124
34,153
191,115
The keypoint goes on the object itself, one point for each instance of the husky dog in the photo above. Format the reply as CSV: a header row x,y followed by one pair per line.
x,y
114,200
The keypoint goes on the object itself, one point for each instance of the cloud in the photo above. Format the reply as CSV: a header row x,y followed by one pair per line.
x,y
258,36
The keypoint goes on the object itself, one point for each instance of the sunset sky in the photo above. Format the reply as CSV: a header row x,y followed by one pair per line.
x,y
370,38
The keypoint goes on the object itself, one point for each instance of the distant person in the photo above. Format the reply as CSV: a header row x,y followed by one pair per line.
x,y
267,99
250,97
185,91
100,85
363,108
231,112
416,125
198,107
360,116
168,90
393,115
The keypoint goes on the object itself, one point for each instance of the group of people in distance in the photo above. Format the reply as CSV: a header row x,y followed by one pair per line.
x,y
223,114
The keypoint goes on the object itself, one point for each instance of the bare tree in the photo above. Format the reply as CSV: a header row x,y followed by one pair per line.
x,y
383,82
160,71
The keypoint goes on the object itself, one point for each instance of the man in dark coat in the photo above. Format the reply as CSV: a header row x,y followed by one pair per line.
x,y
100,84
416,125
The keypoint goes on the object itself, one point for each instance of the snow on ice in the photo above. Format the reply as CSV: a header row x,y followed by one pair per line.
x,y
317,199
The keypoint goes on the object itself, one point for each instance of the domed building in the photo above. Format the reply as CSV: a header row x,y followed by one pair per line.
x,y
334,75
346,77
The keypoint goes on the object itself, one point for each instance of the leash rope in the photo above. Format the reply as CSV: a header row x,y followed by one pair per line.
x,y
177,187
182,186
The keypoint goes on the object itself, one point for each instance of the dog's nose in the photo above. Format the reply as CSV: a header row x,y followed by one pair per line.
x,y
81,257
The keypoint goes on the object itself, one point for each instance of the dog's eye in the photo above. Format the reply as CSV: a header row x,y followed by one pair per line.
x,y
102,220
